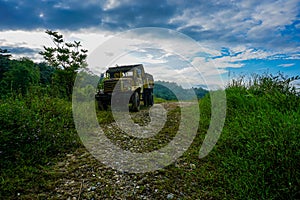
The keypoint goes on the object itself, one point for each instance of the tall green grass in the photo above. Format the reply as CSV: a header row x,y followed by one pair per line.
x,y
258,154
34,130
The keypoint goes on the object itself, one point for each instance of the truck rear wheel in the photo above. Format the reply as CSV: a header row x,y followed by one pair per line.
x,y
135,106
151,98
146,97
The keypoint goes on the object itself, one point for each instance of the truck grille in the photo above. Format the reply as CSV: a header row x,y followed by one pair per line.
x,y
109,86
117,85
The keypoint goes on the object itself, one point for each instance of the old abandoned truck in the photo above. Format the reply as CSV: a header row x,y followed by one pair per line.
x,y
128,85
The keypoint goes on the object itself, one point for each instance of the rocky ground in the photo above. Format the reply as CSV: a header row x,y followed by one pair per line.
x,y
79,175
83,177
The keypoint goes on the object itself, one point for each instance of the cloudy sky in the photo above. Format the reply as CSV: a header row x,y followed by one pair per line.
x,y
233,37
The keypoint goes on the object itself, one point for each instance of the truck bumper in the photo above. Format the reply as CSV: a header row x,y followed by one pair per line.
x,y
104,100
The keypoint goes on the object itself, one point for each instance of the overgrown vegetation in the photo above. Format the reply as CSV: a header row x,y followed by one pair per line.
x,y
36,123
258,153
34,132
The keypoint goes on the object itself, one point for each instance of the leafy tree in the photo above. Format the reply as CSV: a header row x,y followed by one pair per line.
x,y
4,61
46,73
21,75
67,58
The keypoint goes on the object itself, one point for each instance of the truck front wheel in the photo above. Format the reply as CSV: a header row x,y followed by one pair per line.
x,y
102,105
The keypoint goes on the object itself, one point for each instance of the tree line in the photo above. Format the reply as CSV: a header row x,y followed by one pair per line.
x,y
56,75
173,91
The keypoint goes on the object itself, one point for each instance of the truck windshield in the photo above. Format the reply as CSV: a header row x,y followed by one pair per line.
x,y
123,74
129,73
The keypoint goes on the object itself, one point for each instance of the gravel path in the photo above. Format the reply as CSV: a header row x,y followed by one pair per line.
x,y
81,176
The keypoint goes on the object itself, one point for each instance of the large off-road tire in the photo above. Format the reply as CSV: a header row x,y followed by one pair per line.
x,y
151,98
146,97
102,105
135,105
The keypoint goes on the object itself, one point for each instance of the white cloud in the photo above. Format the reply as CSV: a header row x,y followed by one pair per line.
x,y
245,54
29,38
90,39
276,13
129,58
287,65
112,4
187,77
256,23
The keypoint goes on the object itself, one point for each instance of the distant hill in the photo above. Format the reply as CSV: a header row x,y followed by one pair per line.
x,y
168,91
